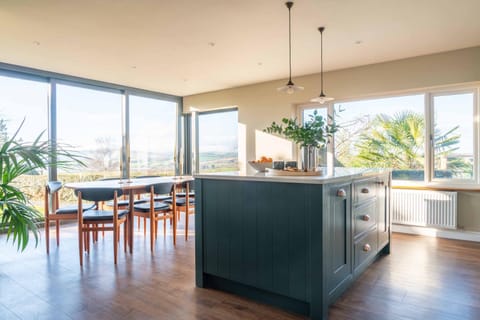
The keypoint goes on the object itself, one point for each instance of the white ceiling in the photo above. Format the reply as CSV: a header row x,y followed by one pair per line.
x,y
185,47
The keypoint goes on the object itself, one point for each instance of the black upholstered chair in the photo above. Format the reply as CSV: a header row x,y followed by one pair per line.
x,y
155,210
184,204
98,219
53,211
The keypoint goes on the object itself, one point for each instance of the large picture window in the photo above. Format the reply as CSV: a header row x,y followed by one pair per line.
x,y
91,122
427,137
152,136
453,136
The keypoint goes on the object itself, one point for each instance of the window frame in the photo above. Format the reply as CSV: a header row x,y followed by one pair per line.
x,y
52,79
429,94
430,117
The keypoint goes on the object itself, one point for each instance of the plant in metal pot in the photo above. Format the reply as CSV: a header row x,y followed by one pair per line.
x,y
310,136
18,217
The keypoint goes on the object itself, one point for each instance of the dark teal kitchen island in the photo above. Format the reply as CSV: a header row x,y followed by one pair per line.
x,y
294,242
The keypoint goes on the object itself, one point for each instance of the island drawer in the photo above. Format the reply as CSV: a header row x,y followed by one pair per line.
x,y
364,190
365,217
365,247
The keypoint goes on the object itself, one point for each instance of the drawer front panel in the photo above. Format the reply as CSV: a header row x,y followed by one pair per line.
x,y
364,190
365,217
365,247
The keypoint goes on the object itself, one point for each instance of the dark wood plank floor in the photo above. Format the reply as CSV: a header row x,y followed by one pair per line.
x,y
423,278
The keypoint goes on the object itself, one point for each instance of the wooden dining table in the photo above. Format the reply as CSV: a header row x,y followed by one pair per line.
x,y
134,186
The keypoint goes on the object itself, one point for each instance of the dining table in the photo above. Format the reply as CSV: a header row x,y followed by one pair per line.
x,y
135,186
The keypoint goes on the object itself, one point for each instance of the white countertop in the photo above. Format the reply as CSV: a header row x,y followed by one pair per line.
x,y
338,174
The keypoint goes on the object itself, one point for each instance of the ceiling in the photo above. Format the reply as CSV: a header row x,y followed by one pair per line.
x,y
186,47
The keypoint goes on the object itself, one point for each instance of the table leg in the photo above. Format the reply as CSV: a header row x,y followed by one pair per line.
x,y
130,219
174,208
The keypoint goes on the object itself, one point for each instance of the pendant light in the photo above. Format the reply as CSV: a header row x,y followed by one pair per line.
x,y
290,87
322,98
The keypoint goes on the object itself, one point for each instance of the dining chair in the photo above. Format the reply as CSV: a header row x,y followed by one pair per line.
x,y
53,211
98,219
155,210
185,204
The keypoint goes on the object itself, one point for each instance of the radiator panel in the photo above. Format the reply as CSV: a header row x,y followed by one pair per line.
x,y
424,208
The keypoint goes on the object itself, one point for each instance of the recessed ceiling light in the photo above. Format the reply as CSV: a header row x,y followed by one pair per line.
x,y
37,43
133,67
260,63
358,42
211,44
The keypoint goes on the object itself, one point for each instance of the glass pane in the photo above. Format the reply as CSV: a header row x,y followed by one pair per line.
x,y
386,133
453,136
152,136
24,99
91,122
322,153
218,141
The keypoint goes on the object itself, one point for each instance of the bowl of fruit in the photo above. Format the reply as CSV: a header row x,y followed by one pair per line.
x,y
262,164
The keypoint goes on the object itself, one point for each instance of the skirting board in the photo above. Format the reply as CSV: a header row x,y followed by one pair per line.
x,y
440,233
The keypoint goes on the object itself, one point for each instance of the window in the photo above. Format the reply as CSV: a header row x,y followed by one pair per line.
x,y
25,100
152,136
427,137
217,148
90,121
453,136
386,132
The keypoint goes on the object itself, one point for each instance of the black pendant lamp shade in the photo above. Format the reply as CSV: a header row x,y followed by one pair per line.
x,y
322,98
290,87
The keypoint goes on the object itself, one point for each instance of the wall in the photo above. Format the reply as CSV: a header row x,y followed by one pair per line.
x,y
260,104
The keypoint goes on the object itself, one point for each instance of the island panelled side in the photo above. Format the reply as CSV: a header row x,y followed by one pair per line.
x,y
297,246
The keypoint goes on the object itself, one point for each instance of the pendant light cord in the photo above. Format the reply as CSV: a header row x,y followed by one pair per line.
x,y
289,6
321,59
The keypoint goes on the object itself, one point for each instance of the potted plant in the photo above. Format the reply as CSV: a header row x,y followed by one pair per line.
x,y
312,135
18,217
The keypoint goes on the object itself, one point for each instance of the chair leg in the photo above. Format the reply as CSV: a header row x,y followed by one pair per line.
x,y
80,244
57,231
186,225
144,227
115,244
164,225
138,223
153,231
125,233
156,229
47,234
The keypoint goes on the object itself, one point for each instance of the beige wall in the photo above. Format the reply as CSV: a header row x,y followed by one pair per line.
x,y
260,104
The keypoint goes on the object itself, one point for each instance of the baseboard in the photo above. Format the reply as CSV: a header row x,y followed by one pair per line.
x,y
440,233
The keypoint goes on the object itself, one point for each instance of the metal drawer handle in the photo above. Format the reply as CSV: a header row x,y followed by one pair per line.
x,y
365,190
341,193
365,217
367,247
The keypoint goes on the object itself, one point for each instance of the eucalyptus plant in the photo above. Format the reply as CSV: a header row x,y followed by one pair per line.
x,y
315,131
17,215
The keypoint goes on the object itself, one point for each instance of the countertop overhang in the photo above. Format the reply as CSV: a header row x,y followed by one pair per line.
x,y
338,174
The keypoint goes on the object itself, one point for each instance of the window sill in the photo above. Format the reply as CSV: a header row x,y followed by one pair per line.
x,y
410,185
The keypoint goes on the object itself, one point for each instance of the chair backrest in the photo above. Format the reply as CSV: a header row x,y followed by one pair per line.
x,y
53,186
141,177
161,188
98,194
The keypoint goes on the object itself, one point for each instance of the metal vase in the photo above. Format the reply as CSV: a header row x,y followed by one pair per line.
x,y
309,158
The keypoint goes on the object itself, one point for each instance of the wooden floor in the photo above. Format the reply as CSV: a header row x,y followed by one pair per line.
x,y
423,278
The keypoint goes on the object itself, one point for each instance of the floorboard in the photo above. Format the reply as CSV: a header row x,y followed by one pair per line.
x,y
423,278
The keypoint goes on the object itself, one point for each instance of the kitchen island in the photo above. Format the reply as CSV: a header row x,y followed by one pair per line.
x,y
294,242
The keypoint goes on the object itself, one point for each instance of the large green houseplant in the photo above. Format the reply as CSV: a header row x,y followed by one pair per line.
x,y
18,217
310,136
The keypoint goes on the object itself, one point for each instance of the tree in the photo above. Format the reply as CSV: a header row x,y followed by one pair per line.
x,y
398,142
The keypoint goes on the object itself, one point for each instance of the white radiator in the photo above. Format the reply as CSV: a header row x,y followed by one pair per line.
x,y
424,208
